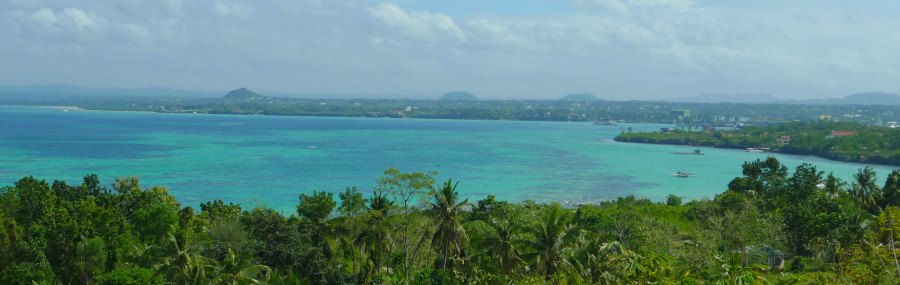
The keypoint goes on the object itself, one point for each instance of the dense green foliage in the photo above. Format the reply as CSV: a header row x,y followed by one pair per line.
x,y
868,144
411,230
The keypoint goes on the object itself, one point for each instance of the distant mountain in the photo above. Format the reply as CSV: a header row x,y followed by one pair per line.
x,y
579,97
751,98
243,94
459,96
869,98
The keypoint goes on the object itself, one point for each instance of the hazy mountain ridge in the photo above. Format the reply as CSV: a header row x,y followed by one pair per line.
x,y
47,93
579,97
749,98
867,98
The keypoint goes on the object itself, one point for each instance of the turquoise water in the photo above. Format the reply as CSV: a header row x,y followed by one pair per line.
x,y
270,160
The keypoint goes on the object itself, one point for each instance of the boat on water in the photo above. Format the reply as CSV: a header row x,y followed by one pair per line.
x,y
604,123
750,149
683,174
695,152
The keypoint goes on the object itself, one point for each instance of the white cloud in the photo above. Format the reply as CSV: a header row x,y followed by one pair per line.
x,y
82,20
641,48
675,4
422,26
504,35
45,16
231,10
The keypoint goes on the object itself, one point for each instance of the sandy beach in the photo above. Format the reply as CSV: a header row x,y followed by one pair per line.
x,y
64,108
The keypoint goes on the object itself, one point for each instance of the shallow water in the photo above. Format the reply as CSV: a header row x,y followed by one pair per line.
x,y
270,160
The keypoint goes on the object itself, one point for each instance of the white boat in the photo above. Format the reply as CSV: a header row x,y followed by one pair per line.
x,y
750,149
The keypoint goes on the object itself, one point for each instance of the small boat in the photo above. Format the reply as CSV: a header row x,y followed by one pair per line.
x,y
750,149
312,147
695,152
604,123
683,174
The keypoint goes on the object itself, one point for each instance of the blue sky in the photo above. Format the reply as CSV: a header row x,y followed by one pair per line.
x,y
615,49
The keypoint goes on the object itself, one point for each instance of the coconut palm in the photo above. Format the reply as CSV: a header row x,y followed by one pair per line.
x,y
586,257
551,236
865,190
191,268
503,247
375,238
449,237
234,270
185,265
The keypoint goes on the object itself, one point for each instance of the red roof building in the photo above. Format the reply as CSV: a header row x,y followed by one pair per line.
x,y
842,133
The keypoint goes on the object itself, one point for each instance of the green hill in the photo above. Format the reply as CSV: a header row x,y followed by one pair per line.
x,y
243,94
459,96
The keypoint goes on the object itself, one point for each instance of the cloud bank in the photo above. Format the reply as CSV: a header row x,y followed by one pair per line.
x,y
617,49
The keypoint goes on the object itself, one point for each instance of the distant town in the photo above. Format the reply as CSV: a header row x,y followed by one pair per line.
x,y
463,105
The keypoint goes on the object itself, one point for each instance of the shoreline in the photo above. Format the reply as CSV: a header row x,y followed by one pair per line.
x,y
775,152
64,108
309,116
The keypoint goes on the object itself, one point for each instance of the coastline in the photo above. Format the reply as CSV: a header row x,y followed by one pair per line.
x,y
64,108
781,153
80,109
61,107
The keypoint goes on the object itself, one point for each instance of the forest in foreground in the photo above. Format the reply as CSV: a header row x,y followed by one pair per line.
x,y
769,226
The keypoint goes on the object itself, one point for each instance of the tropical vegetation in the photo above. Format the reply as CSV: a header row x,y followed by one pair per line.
x,y
770,225
843,141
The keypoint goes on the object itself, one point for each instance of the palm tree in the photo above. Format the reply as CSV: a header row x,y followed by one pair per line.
x,y
375,238
450,236
503,246
587,256
234,270
865,191
185,265
550,237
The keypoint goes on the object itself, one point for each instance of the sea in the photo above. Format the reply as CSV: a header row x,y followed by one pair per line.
x,y
256,160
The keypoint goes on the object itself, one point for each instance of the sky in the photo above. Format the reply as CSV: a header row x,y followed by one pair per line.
x,y
513,49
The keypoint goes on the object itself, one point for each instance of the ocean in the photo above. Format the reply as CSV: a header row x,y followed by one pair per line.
x,y
270,160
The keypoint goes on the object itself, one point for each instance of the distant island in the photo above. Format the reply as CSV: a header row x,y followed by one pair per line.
x,y
459,96
453,105
841,141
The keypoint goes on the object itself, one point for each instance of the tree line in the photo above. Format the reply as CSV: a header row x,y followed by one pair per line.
x,y
866,144
413,229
